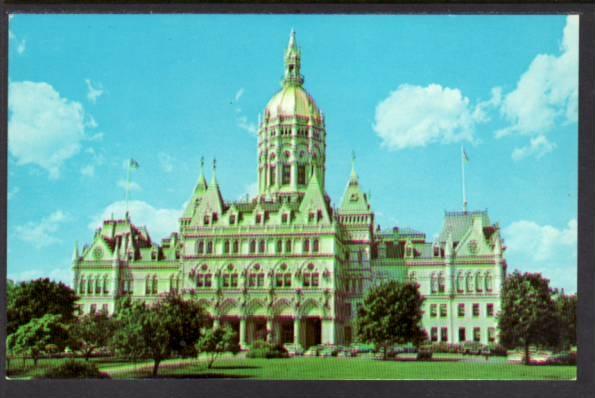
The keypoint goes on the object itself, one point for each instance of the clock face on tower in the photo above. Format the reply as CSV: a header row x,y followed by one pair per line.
x,y
98,253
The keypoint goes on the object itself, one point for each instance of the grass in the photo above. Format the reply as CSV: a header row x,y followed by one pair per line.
x,y
442,367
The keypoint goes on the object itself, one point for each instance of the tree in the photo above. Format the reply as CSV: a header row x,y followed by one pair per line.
x,y
38,336
34,299
91,332
566,309
391,314
171,326
528,315
216,341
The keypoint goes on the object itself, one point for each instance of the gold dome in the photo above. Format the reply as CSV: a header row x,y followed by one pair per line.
x,y
292,101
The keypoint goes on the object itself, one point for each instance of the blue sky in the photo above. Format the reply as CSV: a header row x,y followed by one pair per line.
x,y
87,92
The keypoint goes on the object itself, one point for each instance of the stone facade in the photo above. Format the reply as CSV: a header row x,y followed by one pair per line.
x,y
287,266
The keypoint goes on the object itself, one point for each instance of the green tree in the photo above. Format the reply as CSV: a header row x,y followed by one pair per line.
x,y
391,314
90,332
566,308
216,341
528,314
170,327
38,335
34,299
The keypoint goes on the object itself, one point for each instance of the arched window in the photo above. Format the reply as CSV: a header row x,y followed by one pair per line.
x,y
236,246
201,247
460,282
478,282
97,285
306,245
434,283
469,282
148,284
279,246
315,246
155,284
288,246
204,278
90,285
311,277
209,247
105,287
230,276
488,282
261,246
282,276
252,246
256,276
441,283
226,247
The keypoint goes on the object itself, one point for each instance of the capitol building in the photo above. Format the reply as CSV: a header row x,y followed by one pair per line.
x,y
287,266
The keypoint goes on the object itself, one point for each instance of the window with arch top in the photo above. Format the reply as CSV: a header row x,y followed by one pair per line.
x,y
311,277
282,276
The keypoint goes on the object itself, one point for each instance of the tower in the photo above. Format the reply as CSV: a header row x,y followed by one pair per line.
x,y
291,136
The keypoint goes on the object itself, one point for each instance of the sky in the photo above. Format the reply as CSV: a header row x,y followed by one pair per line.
x,y
89,92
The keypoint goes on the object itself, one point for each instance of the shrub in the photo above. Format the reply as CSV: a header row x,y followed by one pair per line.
x,y
497,350
262,349
424,355
72,369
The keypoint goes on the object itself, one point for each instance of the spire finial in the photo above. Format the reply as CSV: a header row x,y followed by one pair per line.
x,y
214,165
202,163
353,178
293,63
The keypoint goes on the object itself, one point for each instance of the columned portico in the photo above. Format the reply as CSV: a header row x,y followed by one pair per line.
x,y
297,330
243,342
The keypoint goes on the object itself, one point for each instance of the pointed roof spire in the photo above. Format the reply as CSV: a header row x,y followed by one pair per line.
x,y
353,178
293,63
201,185
214,176
75,253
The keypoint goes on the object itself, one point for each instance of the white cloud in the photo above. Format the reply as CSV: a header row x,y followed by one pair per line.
x,y
547,93
88,170
21,46
538,147
59,274
239,94
166,162
415,116
544,248
11,194
132,186
244,124
250,191
44,128
241,119
94,90
160,222
42,233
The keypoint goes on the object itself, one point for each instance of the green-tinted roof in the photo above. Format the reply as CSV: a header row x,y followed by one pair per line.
x,y
458,222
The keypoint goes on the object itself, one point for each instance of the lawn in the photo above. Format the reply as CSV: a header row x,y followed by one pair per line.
x,y
443,367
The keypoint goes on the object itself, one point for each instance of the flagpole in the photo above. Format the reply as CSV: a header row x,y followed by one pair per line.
x,y
463,179
127,187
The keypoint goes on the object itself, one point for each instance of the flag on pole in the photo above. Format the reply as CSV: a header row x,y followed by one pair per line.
x,y
133,164
465,156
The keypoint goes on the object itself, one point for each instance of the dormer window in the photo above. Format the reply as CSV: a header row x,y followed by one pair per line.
x,y
215,217
284,218
232,219
319,215
206,220
311,217
258,218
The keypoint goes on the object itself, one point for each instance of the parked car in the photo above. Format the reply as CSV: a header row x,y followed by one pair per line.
x,y
313,351
328,351
294,349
